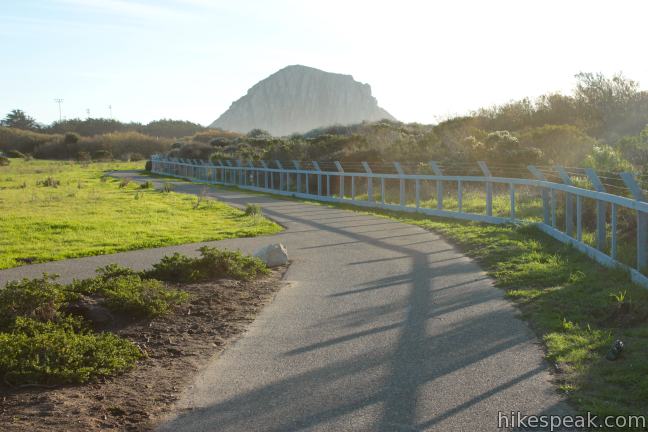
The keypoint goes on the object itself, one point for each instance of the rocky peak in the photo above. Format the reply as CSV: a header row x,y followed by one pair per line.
x,y
300,98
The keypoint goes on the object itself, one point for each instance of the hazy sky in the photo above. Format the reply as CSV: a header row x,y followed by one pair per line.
x,y
189,59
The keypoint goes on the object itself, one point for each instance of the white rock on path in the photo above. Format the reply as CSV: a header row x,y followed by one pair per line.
x,y
273,255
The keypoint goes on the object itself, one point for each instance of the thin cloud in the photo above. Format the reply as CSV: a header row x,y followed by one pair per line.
x,y
132,9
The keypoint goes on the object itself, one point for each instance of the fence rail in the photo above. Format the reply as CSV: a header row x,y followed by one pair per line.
x,y
342,186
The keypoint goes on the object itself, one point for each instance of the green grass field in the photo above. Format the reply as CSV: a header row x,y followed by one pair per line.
x,y
87,213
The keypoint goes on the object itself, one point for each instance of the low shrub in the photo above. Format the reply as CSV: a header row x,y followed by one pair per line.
x,y
253,210
212,264
49,182
148,166
167,187
4,161
15,154
84,156
39,298
143,297
124,182
102,155
174,268
126,291
147,185
64,352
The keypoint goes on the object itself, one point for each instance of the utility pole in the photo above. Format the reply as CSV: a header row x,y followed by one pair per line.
x,y
88,112
59,102
110,108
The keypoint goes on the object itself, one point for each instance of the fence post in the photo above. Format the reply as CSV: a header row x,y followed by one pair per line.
x,y
401,173
489,188
459,196
319,177
222,171
367,169
600,209
642,221
439,183
254,179
230,171
613,233
278,163
569,201
545,193
298,176
264,164
512,200
338,165
240,180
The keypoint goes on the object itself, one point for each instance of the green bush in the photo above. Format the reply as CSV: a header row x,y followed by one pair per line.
x,y
102,155
253,210
39,298
148,166
15,154
134,157
147,185
27,141
71,138
49,182
84,156
4,161
212,264
48,353
126,291
174,268
143,297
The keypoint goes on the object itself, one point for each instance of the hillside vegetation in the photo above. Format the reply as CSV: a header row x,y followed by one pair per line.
x,y
601,124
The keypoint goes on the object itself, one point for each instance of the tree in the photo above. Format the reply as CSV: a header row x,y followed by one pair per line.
x,y
609,105
19,120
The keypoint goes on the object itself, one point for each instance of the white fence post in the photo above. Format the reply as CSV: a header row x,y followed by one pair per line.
x,y
569,201
642,221
319,177
439,183
512,201
489,188
545,193
367,169
297,175
264,164
278,163
338,165
601,208
401,184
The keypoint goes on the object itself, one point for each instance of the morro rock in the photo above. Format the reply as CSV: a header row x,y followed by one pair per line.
x,y
300,98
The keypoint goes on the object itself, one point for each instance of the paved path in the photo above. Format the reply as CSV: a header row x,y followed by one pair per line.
x,y
384,327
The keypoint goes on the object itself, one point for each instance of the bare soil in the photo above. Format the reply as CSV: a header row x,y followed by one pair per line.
x,y
176,346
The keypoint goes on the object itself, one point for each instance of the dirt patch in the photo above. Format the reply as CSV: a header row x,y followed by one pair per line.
x,y
176,345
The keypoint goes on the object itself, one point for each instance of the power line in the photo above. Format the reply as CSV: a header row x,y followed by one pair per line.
x,y
59,101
